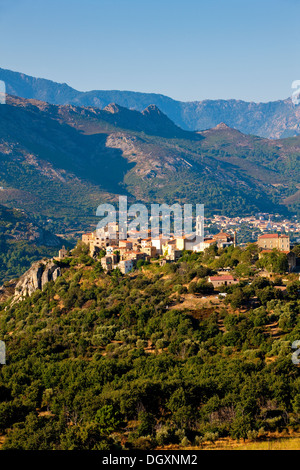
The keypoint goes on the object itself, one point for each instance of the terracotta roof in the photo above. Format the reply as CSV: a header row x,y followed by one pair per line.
x,y
159,237
270,251
227,277
222,234
268,235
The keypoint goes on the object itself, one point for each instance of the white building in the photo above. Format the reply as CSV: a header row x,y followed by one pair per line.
x,y
125,266
158,243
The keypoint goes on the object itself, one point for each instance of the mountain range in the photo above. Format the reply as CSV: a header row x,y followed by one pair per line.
x,y
277,119
62,161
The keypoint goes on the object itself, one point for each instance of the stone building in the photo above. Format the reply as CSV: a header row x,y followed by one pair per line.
x,y
274,240
62,253
108,262
225,280
125,266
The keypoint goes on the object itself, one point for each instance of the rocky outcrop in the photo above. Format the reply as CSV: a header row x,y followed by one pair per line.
x,y
35,278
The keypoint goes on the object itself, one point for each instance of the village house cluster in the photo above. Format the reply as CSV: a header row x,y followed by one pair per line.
x,y
126,253
261,221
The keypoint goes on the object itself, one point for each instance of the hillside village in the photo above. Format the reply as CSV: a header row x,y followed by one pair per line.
x,y
149,230
214,312
125,254
115,252
128,254
262,222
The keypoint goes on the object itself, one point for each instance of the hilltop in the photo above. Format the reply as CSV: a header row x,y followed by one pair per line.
x,y
147,360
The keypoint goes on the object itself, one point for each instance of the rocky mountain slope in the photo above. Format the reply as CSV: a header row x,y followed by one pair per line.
x,y
22,242
16,225
63,161
276,119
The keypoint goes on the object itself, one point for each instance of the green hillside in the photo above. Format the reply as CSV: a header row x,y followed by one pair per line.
x,y
154,358
22,242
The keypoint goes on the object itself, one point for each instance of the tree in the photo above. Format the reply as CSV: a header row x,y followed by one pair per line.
x,y
108,418
274,261
237,298
296,250
293,290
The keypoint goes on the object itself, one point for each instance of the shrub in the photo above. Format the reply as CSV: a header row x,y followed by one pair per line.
x,y
211,436
252,435
185,442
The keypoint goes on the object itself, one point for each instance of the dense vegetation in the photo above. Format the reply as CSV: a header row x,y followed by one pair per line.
x,y
17,257
105,361
22,242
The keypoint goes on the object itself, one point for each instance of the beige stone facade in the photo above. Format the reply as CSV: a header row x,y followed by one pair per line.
x,y
271,241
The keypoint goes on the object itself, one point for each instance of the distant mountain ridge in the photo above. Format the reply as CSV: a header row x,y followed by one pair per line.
x,y
277,119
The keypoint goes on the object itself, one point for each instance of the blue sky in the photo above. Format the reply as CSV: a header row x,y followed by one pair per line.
x,y
186,49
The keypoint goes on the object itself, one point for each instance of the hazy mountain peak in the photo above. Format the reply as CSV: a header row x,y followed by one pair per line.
x,y
222,126
113,108
153,109
157,118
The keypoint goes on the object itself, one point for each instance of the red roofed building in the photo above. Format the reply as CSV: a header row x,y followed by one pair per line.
x,y
222,236
225,280
270,241
125,244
